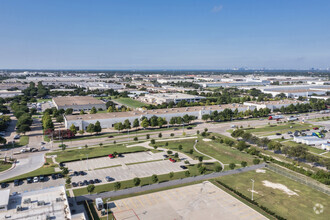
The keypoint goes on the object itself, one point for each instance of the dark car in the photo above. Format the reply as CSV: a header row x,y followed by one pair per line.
x,y
278,134
29,180
61,164
110,136
4,185
91,182
183,167
60,175
97,181
307,129
54,176
109,179
82,173
16,182
74,184
86,182
75,173
80,183
42,178
175,129
165,156
120,155
189,128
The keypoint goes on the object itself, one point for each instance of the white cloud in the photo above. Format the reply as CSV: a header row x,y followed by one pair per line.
x,y
217,8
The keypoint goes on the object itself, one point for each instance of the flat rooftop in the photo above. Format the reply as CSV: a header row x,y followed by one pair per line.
x,y
77,100
137,113
174,96
286,101
55,205
4,197
199,201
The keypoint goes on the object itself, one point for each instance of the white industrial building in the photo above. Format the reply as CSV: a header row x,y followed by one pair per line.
x,y
294,91
159,98
273,104
9,94
99,85
107,120
78,103
326,146
51,203
311,140
4,200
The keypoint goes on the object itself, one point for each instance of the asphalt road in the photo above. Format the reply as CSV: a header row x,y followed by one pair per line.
x,y
166,184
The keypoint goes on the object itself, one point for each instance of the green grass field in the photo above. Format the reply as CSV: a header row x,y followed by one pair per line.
x,y
298,206
130,102
281,128
43,100
223,153
24,140
311,149
326,154
4,166
70,154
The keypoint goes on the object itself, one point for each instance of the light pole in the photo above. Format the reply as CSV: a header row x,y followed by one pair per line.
x,y
108,209
252,188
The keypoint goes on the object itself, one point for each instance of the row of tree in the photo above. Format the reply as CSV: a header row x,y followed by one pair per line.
x,y
300,108
228,114
24,118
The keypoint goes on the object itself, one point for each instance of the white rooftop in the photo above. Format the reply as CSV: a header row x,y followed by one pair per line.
x,y
4,197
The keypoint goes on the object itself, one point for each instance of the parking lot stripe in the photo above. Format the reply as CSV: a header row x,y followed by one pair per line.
x,y
125,204
133,203
117,206
140,201
148,198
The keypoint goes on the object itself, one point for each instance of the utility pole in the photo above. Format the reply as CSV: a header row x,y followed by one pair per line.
x,y
252,188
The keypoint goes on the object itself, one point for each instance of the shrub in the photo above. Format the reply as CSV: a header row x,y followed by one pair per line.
x,y
135,139
256,161
232,166
153,141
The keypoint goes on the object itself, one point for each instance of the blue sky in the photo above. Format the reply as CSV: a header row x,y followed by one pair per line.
x,y
169,34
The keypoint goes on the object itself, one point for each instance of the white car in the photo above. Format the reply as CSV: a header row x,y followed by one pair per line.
x,y
35,179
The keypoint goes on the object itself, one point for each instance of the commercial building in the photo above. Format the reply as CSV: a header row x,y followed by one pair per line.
x,y
294,91
273,104
107,120
159,98
50,203
9,94
78,103
99,85
311,140
4,200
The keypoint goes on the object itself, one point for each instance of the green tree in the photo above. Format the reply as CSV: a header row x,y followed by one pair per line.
x,y
62,146
60,119
187,173
136,123
154,178
243,163
218,168
148,136
90,128
97,127
153,141
136,181
200,159
256,161
23,128
68,180
160,135
119,126
127,124
232,166
145,123
73,129
117,185
171,175
90,188
82,112
93,110
69,111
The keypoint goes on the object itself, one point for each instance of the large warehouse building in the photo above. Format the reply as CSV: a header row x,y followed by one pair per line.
x,y
78,103
273,104
107,120
160,98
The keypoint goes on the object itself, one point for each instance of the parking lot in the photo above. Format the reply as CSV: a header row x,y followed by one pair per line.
x,y
126,172
189,202
96,163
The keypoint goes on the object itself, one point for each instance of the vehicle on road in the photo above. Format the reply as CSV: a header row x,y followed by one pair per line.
x,y
189,128
278,134
183,167
292,118
110,136
42,149
274,117
165,156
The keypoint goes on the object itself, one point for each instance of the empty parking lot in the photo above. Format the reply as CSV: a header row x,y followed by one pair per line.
x,y
190,202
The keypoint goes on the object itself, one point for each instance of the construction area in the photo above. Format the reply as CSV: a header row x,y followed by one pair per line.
x,y
189,202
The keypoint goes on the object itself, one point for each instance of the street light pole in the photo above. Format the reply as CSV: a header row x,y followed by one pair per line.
x,y
252,188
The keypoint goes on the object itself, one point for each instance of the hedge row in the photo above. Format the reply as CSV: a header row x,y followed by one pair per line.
x,y
251,201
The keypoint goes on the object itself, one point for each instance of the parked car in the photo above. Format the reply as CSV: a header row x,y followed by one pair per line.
x,y
82,173
17,136
91,181
80,183
120,155
316,128
54,176
183,167
75,173
189,128
4,185
110,136
165,156
29,180
111,156
60,175
289,132
74,184
16,182
42,178
278,134
35,179
109,179
97,181
86,183
175,129
172,160
42,149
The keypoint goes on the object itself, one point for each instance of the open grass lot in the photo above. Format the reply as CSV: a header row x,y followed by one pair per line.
x,y
145,181
298,206
4,166
43,100
223,153
187,145
326,154
78,154
130,102
24,140
281,128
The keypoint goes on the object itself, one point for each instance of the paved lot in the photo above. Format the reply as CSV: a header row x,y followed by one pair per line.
x,y
200,201
24,187
96,163
125,172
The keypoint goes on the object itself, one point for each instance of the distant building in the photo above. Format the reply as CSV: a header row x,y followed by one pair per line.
x,y
159,98
4,200
78,103
9,94
108,120
273,104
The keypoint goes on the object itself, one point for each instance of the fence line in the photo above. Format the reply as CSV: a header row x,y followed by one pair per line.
x,y
299,178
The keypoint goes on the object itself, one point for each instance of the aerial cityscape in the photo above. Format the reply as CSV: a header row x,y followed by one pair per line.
x,y
164,110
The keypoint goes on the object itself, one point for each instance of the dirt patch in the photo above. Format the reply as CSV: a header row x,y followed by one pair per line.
x,y
260,171
207,140
280,187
